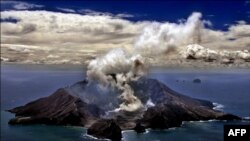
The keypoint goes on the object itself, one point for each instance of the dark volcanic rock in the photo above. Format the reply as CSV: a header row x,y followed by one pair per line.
x,y
139,128
170,115
84,103
146,89
127,120
105,128
60,108
162,117
171,108
228,117
197,80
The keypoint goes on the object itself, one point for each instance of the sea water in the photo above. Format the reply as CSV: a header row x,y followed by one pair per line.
x,y
229,89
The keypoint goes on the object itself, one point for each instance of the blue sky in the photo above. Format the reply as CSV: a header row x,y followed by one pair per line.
x,y
98,26
220,13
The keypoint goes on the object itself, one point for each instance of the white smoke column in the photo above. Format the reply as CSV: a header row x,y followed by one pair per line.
x,y
160,37
117,69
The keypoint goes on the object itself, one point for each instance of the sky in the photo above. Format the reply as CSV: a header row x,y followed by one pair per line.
x,y
92,26
221,13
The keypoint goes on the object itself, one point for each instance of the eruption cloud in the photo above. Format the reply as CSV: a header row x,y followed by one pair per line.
x,y
160,37
117,68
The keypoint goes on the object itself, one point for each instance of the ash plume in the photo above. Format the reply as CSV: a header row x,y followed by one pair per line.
x,y
117,68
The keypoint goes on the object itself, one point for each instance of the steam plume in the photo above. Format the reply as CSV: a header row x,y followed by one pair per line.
x,y
117,68
160,37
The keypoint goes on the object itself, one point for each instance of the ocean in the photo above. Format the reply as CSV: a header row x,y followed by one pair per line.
x,y
229,89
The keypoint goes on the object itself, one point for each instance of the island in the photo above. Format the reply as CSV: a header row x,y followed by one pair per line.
x,y
88,105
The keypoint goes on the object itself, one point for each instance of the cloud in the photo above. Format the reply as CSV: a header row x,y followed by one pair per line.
x,y
95,32
241,22
117,69
211,15
55,29
19,5
97,13
123,15
239,30
93,12
159,37
66,10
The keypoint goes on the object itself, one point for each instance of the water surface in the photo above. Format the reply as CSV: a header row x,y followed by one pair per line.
x,y
23,83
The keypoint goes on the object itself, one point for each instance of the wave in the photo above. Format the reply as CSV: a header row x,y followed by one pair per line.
x,y
246,118
126,131
87,136
202,121
218,107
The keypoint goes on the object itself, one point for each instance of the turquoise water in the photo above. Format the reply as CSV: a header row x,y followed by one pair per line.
x,y
21,84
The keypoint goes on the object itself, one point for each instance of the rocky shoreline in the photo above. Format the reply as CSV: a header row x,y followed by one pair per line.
x,y
79,105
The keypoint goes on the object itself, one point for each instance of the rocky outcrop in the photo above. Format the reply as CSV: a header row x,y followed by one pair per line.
x,y
139,128
196,80
105,129
60,108
86,104
164,116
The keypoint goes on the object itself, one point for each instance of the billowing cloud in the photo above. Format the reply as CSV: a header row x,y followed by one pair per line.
x,y
94,32
60,29
117,68
240,30
159,37
236,38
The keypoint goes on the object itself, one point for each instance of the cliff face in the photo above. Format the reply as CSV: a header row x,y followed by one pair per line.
x,y
83,104
106,128
61,108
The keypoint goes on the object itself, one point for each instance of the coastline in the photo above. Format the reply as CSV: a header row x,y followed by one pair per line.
x,y
196,66
203,127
